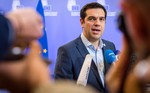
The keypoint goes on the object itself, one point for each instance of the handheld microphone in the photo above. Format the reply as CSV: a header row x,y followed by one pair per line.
x,y
110,56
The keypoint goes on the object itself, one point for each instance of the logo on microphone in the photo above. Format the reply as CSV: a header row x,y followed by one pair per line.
x,y
16,4
48,9
73,8
106,7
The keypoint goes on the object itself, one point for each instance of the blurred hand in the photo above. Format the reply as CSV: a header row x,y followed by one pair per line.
x,y
26,74
27,23
115,75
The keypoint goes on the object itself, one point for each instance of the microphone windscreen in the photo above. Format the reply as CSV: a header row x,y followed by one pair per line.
x,y
109,55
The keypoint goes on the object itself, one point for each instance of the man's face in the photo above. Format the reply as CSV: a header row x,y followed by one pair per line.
x,y
93,24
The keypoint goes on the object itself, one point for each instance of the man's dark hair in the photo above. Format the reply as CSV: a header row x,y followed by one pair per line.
x,y
91,6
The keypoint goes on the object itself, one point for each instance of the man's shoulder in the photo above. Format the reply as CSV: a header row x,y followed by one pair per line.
x,y
109,44
107,41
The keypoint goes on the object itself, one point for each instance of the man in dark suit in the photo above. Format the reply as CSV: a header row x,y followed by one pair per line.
x,y
71,56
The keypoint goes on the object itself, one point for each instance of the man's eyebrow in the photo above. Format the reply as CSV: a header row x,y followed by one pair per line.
x,y
101,17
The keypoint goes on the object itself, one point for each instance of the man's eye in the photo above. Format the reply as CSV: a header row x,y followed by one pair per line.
x,y
91,19
102,19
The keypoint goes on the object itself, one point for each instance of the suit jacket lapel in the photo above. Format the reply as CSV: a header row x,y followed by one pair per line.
x,y
81,47
95,71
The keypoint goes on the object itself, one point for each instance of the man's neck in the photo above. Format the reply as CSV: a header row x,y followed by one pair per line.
x,y
95,44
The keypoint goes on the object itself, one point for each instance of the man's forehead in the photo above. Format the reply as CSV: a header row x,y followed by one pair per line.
x,y
89,16
98,12
95,10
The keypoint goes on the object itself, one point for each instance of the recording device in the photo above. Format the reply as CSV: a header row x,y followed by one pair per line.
x,y
9,51
7,38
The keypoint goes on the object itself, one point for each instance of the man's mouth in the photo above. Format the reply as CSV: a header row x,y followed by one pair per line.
x,y
96,30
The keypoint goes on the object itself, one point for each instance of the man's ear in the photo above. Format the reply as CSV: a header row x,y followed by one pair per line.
x,y
82,22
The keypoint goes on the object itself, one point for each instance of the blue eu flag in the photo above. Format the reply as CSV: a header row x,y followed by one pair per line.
x,y
43,40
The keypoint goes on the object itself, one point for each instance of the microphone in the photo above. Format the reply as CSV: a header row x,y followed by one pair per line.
x,y
110,56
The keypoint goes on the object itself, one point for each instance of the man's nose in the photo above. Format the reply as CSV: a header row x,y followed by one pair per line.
x,y
97,22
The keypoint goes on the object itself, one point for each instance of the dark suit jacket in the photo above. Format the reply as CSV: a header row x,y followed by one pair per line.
x,y
70,58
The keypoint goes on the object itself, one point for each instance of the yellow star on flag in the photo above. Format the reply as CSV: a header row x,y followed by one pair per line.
x,y
44,50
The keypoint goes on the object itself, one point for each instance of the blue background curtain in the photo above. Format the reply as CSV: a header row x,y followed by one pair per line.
x,y
62,21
